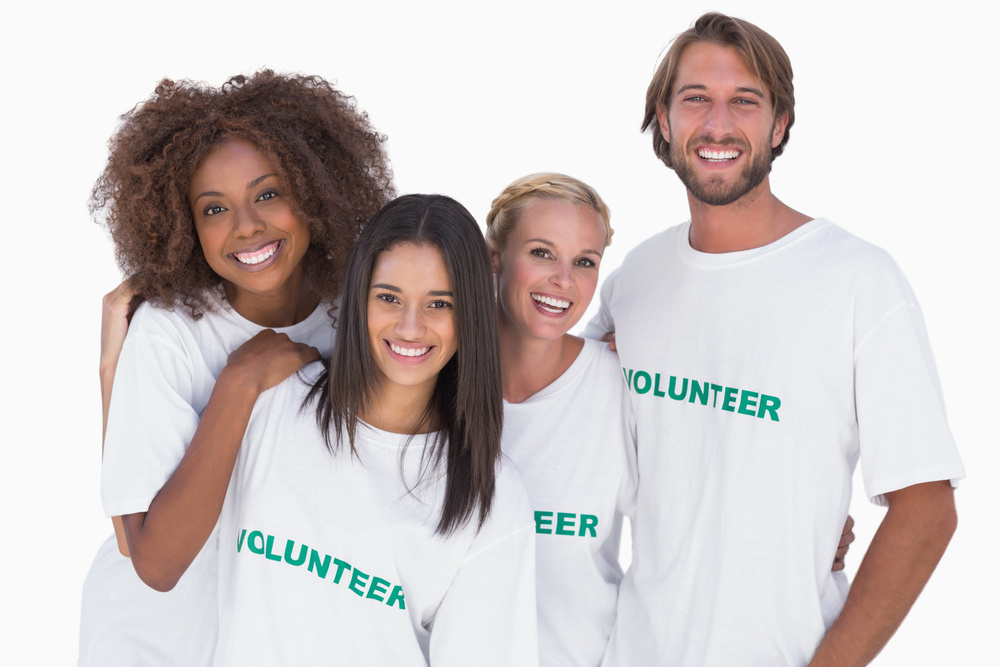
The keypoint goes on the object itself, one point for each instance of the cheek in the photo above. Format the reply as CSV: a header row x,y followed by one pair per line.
x,y
211,243
587,286
450,334
519,277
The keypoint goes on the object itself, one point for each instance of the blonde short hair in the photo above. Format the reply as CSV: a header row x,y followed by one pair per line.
x,y
506,210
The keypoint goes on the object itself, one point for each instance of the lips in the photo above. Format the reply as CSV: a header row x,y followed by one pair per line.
x,y
409,351
719,156
551,304
408,354
259,256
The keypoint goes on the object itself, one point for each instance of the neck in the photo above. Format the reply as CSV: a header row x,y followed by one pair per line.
x,y
530,364
401,410
280,308
754,220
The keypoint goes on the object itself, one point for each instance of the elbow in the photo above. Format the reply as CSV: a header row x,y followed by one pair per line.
x,y
948,523
156,577
945,519
153,568
152,562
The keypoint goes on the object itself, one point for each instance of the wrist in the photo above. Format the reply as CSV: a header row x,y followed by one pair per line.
x,y
239,383
106,369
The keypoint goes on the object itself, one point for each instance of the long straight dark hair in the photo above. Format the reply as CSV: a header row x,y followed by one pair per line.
x,y
467,402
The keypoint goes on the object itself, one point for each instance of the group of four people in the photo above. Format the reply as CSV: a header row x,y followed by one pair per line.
x,y
448,485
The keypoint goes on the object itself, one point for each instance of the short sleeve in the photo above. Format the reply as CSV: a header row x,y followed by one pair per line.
x,y
628,490
151,419
902,428
603,322
489,614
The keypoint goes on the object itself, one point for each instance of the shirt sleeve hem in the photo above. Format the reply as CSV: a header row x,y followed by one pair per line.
x,y
876,490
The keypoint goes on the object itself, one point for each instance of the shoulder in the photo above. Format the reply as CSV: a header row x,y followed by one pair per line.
x,y
601,364
176,318
874,274
293,390
510,513
649,256
656,245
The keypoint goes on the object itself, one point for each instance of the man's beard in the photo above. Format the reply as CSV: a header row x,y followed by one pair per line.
x,y
718,193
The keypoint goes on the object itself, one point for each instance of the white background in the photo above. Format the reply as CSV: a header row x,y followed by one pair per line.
x,y
895,140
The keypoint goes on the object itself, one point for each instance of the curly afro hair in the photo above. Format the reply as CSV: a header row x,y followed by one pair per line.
x,y
324,148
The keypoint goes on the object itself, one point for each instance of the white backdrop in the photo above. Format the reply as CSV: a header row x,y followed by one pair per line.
x,y
895,115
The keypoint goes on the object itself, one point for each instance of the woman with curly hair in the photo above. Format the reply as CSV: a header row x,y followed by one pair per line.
x,y
232,211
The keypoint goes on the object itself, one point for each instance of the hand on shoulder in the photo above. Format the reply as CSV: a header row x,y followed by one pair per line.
x,y
267,359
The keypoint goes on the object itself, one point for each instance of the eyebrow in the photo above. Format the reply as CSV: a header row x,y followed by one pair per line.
x,y
393,288
741,89
550,243
251,185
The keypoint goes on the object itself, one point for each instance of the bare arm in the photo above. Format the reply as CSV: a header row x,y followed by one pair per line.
x,y
165,539
904,552
114,325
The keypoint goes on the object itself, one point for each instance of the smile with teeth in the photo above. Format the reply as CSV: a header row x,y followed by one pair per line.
x,y
409,351
550,304
257,256
718,156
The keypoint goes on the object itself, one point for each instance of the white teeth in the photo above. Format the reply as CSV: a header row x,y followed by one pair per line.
x,y
719,156
557,304
409,351
256,257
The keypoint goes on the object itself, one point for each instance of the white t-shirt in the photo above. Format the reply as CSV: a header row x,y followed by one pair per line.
x,y
758,379
572,445
165,376
333,559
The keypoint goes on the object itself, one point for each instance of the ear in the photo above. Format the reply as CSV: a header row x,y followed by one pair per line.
x,y
495,261
661,116
779,130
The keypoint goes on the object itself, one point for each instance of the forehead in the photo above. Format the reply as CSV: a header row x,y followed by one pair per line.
x,y
709,66
410,266
561,222
232,158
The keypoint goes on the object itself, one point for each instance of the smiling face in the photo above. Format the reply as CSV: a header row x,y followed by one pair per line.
x,y
547,270
248,228
720,124
411,317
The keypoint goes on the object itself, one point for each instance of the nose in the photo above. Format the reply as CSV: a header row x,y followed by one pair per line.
x,y
410,325
562,273
719,121
246,222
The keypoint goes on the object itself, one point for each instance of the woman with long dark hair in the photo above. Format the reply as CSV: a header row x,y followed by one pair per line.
x,y
369,519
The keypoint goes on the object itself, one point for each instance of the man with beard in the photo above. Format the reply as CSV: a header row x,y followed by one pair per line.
x,y
765,352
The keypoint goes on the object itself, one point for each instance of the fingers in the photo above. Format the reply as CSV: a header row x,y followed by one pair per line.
x,y
114,324
269,357
609,338
309,352
119,298
846,538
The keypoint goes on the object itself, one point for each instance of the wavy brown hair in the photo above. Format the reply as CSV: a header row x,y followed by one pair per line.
x,y
760,51
323,147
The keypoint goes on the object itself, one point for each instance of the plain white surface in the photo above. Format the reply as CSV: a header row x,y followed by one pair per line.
x,y
893,141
